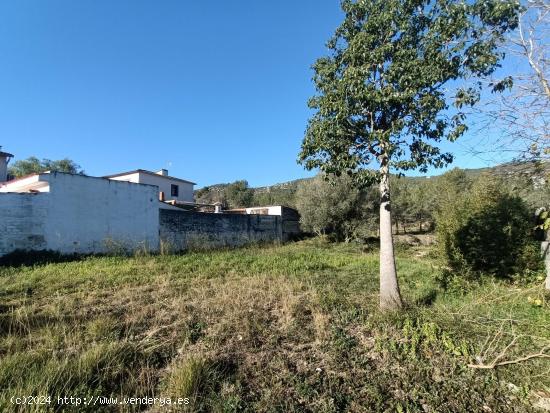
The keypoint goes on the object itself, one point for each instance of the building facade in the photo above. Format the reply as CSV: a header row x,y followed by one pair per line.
x,y
170,188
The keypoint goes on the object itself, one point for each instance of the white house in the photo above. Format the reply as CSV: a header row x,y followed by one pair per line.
x,y
170,188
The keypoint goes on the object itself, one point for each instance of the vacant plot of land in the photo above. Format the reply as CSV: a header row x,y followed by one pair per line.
x,y
291,328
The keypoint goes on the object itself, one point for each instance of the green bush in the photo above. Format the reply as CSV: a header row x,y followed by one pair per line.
x,y
486,230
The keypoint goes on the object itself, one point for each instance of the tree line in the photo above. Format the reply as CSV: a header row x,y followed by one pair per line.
x,y
33,165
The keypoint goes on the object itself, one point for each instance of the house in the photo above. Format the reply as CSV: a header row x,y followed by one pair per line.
x,y
81,214
29,183
170,188
136,210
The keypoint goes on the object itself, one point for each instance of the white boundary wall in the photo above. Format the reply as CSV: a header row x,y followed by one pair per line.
x,y
80,214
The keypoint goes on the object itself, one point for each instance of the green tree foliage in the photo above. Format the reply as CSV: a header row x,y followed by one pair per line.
x,y
485,229
385,89
34,165
239,194
450,187
423,198
336,208
542,223
413,201
382,93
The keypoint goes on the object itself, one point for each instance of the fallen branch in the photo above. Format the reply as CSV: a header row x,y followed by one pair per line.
x,y
497,361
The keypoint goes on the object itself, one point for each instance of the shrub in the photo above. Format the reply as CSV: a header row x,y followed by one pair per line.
x,y
486,230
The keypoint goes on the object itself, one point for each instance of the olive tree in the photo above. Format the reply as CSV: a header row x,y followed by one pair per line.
x,y
335,209
385,90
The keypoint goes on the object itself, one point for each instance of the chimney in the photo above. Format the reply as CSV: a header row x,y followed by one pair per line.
x,y
4,160
163,172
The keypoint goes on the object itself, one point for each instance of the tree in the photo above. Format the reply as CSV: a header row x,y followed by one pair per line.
x,y
34,165
336,208
423,198
239,195
384,89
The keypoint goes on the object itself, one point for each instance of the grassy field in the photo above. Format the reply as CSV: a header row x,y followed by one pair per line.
x,y
291,328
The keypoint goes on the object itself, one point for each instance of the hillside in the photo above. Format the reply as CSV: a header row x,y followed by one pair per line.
x,y
525,175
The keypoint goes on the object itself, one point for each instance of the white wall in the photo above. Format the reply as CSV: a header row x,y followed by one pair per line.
x,y
129,178
22,219
271,210
163,183
80,214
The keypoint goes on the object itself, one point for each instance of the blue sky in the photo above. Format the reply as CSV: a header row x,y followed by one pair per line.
x,y
213,91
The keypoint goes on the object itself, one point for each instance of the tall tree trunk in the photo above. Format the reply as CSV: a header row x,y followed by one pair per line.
x,y
390,297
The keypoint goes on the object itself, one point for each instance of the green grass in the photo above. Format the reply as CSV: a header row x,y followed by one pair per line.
x,y
291,328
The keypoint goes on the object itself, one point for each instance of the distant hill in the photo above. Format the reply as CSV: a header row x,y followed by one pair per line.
x,y
527,174
277,194
515,169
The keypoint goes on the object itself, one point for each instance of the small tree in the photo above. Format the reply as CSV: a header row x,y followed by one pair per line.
x,y
383,93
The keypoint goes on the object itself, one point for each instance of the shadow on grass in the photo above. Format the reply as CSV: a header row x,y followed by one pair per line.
x,y
19,258
427,299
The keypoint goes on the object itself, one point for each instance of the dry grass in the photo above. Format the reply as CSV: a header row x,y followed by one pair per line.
x,y
291,329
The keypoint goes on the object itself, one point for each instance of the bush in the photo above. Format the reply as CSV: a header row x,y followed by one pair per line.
x,y
486,230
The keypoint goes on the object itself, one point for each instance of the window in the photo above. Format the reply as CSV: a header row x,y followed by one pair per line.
x,y
175,190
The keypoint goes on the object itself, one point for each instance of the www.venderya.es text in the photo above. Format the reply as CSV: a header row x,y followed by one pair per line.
x,y
99,401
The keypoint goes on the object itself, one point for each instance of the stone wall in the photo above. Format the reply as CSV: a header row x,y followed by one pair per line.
x,y
290,219
182,230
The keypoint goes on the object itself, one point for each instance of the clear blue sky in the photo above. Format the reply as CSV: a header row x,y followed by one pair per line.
x,y
214,91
